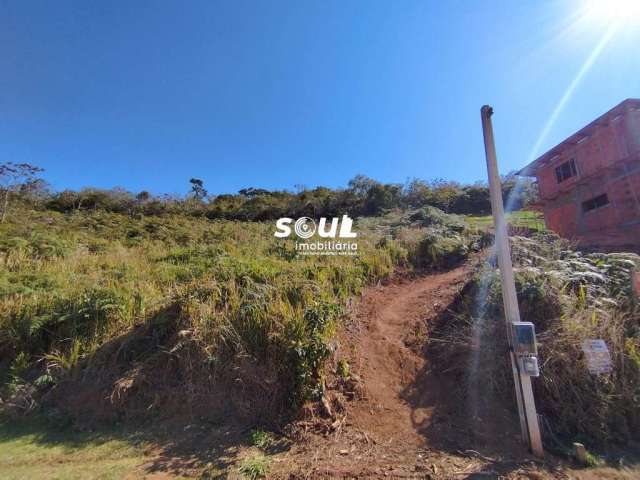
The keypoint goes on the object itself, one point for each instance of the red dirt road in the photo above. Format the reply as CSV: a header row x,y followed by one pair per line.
x,y
393,317
393,428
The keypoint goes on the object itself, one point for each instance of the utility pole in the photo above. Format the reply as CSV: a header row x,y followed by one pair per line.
x,y
522,379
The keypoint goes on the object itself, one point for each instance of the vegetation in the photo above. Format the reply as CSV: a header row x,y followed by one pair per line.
x,y
96,278
343,369
192,302
33,448
362,197
570,297
255,467
130,297
71,284
528,219
17,178
260,438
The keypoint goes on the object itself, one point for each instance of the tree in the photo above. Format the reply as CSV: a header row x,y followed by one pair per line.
x,y
197,188
36,190
381,197
417,193
474,200
518,192
143,196
13,178
65,201
361,184
443,193
253,192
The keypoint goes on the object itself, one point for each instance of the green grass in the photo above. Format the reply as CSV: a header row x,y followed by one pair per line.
x,y
32,449
343,368
261,439
521,218
70,283
255,467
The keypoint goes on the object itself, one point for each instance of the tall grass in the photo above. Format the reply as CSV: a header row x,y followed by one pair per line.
x,y
570,297
72,283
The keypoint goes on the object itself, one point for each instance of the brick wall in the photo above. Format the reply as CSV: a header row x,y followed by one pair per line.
x,y
607,162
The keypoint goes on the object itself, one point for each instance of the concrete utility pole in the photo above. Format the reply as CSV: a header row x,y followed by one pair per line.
x,y
524,393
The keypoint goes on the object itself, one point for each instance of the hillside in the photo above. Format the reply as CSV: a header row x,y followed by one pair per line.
x,y
93,288
184,327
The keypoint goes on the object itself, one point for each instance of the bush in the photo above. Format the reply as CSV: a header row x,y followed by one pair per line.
x,y
260,438
254,467
434,217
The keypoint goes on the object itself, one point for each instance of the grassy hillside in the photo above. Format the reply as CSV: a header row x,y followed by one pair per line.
x,y
74,283
111,317
175,303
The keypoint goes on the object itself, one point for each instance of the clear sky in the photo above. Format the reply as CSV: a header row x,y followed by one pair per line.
x,y
273,93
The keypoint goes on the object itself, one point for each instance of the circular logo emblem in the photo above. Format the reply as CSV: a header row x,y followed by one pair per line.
x,y
305,227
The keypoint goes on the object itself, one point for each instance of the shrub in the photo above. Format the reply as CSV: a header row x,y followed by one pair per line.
x,y
432,216
260,438
254,467
441,252
308,348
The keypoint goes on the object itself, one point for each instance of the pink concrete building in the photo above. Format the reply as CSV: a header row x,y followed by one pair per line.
x,y
590,183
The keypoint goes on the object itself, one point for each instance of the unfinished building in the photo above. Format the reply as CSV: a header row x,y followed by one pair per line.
x,y
589,184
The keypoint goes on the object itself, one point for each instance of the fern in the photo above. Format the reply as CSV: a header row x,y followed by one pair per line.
x,y
64,362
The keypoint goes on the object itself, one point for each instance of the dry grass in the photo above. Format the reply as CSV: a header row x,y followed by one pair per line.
x,y
147,306
570,297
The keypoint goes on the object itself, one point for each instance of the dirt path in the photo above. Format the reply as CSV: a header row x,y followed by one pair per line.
x,y
388,358
391,416
395,427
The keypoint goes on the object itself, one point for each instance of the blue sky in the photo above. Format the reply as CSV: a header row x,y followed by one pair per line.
x,y
148,94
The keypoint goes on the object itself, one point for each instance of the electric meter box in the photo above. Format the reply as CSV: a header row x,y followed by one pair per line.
x,y
529,366
524,338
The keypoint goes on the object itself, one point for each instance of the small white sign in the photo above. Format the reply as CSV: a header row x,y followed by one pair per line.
x,y
598,357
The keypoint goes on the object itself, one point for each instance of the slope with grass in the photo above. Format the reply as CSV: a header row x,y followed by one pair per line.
x,y
218,326
571,297
529,219
147,307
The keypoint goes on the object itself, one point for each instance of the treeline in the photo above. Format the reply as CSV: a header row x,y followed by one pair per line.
x,y
363,196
